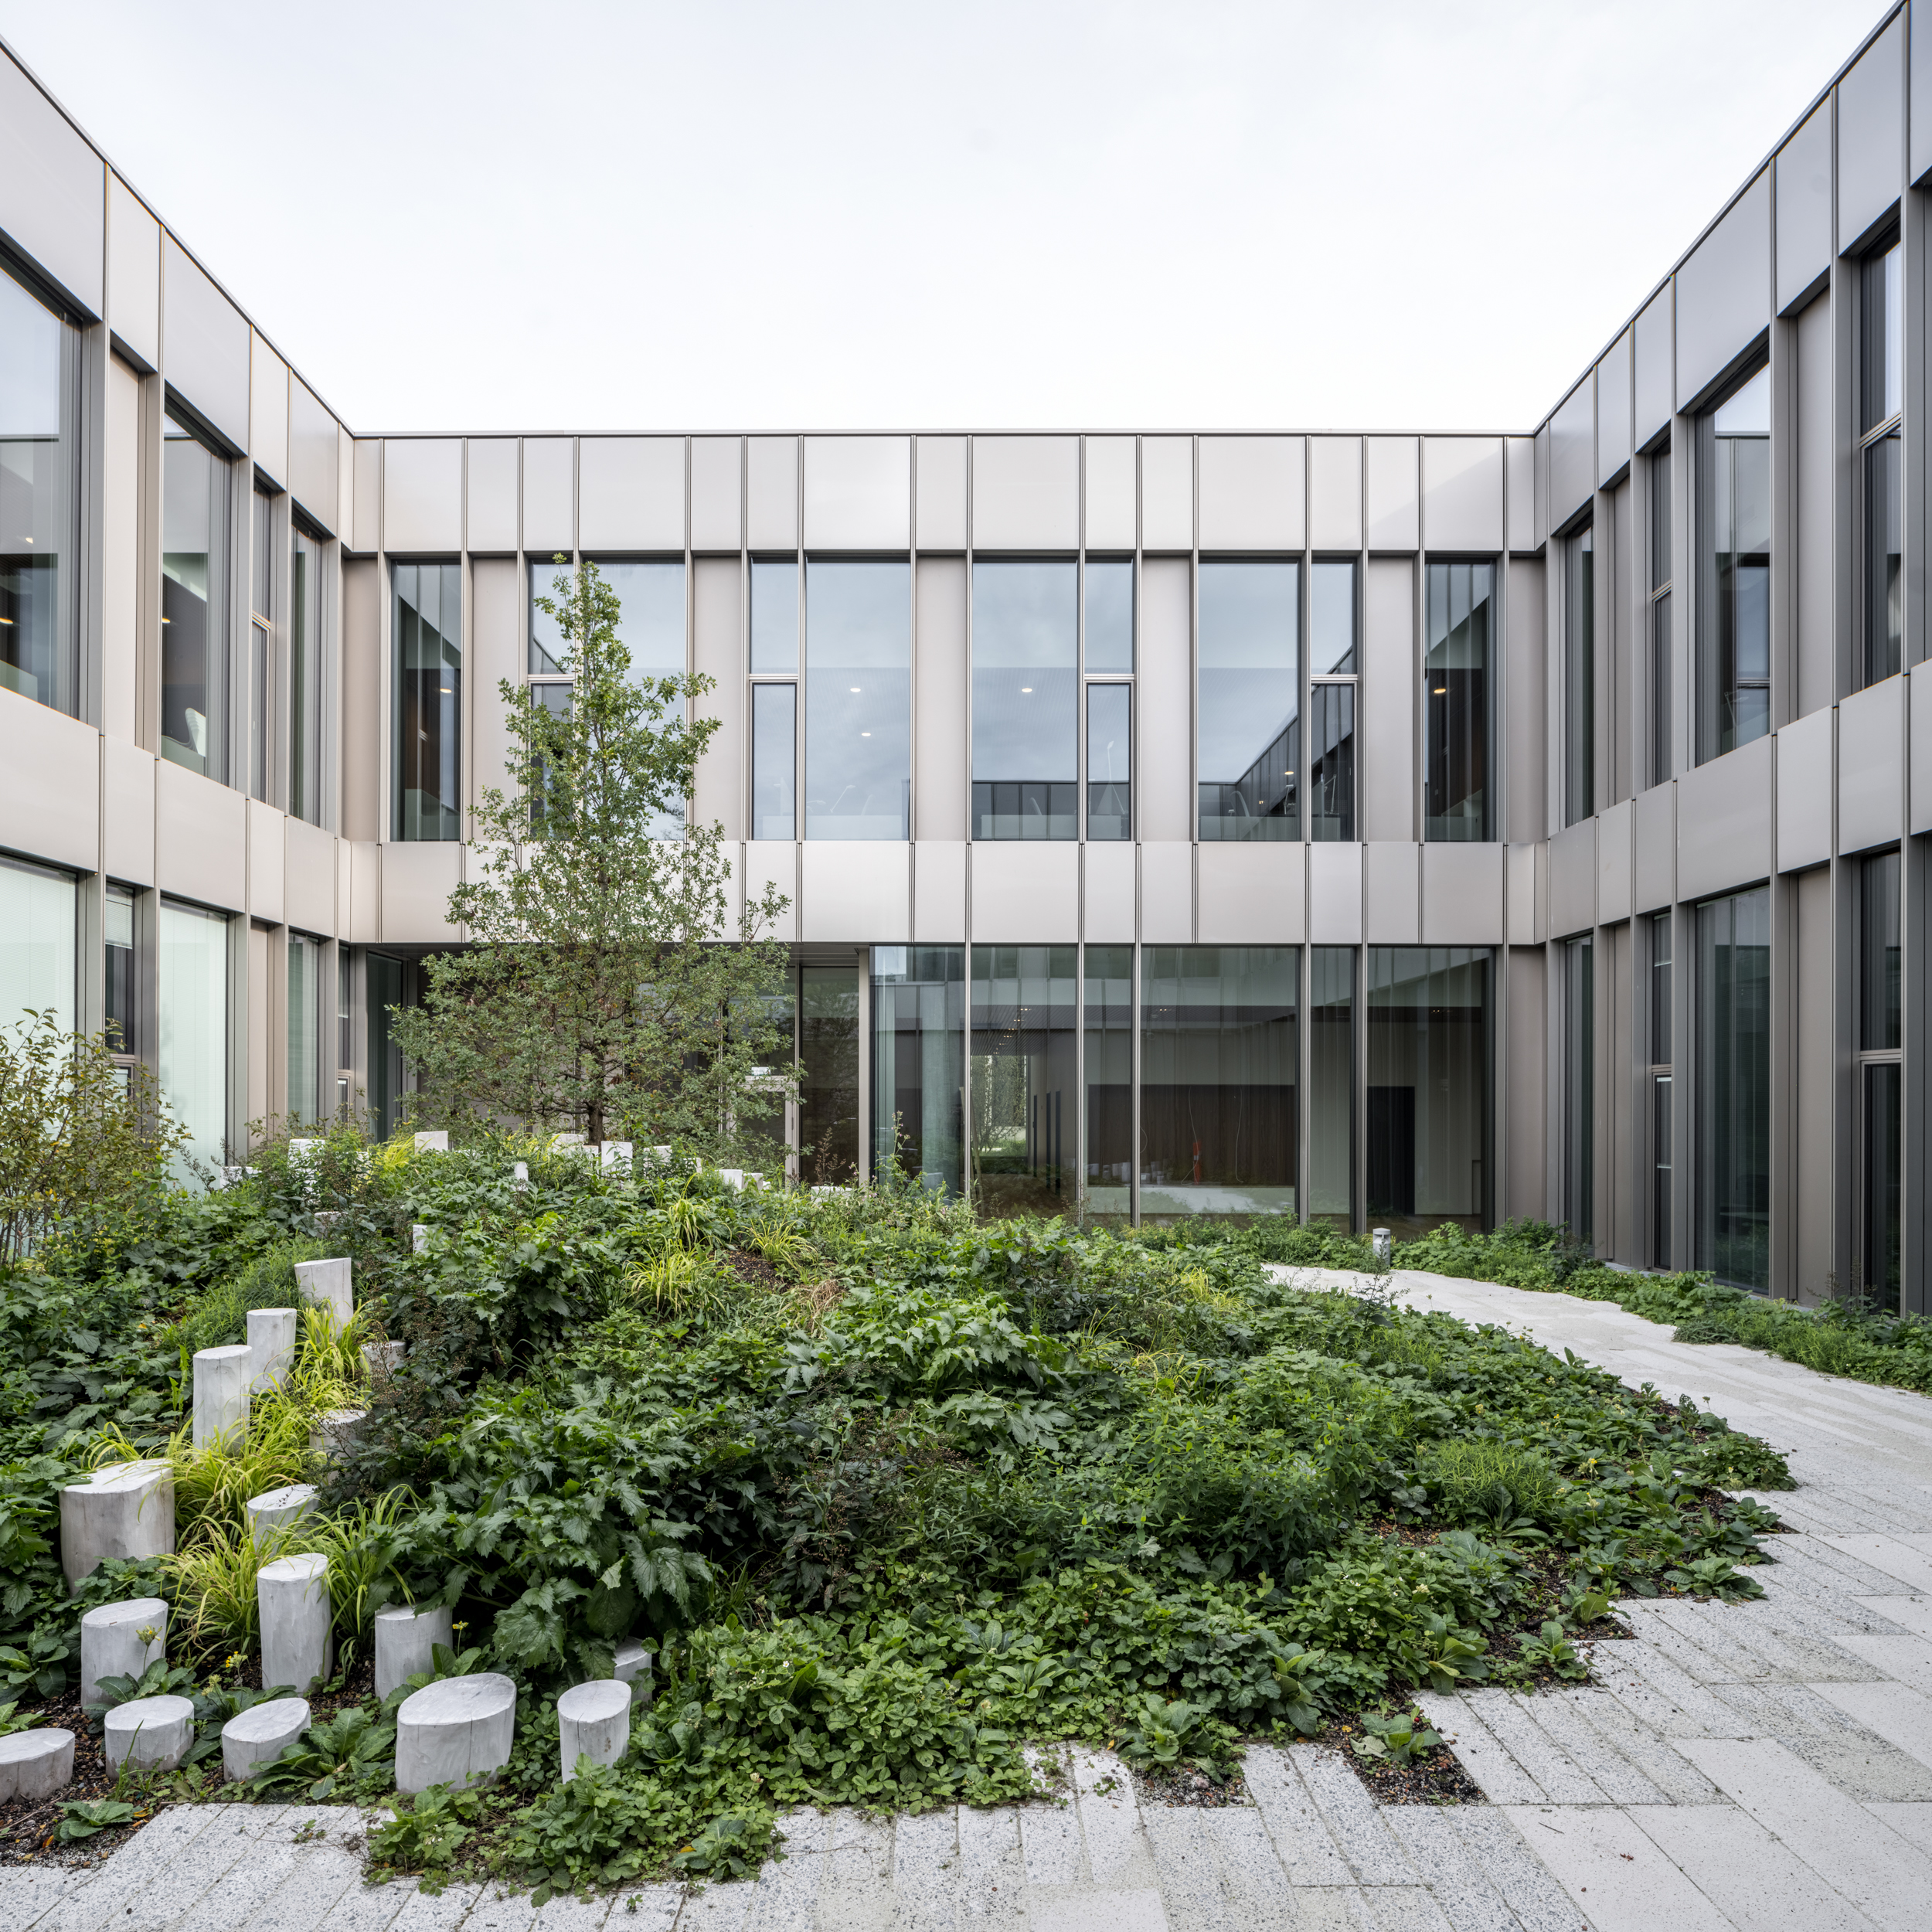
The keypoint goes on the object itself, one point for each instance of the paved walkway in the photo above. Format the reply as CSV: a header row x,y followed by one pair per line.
x,y
1762,1765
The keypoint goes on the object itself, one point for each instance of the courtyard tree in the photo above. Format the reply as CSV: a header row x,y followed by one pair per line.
x,y
611,985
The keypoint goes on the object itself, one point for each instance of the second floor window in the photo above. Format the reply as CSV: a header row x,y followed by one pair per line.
x,y
859,652
1661,750
428,634
1459,602
1882,401
1250,708
1734,578
1333,625
1026,672
306,684
1579,677
194,483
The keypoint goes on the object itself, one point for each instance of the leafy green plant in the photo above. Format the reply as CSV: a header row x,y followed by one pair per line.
x,y
427,1834
1552,1651
351,1752
214,1580
1400,1737
363,1544
1159,1729
159,1679
13,1718
81,1818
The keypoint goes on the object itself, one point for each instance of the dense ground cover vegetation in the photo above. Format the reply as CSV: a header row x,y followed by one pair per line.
x,y
892,1494
1846,1334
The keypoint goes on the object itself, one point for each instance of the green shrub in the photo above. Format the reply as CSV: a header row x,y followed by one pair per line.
x,y
219,1317
1483,1481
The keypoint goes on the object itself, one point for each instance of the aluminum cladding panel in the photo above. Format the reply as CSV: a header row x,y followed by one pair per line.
x,y
52,191
1112,519
1253,492
1871,129
1462,493
858,497
1724,293
204,345
1613,411
1026,492
1724,818
1654,384
491,497
314,456
134,276
422,494
939,494
631,492
1572,453
1803,167
1335,490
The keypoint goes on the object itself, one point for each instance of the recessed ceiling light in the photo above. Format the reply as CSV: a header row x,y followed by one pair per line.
x,y
1027,690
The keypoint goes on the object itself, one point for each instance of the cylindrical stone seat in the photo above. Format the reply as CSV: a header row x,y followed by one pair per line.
x,y
617,1156
329,1282
275,1509
111,1644
298,1647
221,1376
271,1342
382,1360
125,1510
633,1667
35,1764
593,1721
434,1141
405,1643
335,1431
259,1735
456,1732
153,1733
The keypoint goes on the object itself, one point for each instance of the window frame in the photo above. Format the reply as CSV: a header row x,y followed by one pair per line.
x,y
794,676
1710,694
1876,429
1130,677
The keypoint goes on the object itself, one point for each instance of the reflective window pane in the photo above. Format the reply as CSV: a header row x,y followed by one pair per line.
x,y
1579,677
305,1029
37,951
1660,990
118,982
194,1030
1881,348
1022,1079
39,501
1732,1088
1580,1088
1878,954
1110,613
1110,769
774,760
1331,618
194,606
1884,585
858,700
1734,515
1106,997
383,989
1884,1084
1250,700
550,581
1662,750
428,634
1660,532
774,615
1331,762
1026,757
827,1075
1331,977
651,620
1662,1134
1455,688
918,1063
306,682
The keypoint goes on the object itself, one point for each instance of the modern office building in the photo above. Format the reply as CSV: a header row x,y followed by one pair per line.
x,y
1385,829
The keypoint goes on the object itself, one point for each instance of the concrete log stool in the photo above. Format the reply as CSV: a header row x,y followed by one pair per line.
x,y
329,1281
436,1141
271,1342
35,1764
125,1510
405,1642
275,1509
617,1156
298,1647
418,1238
457,1732
733,1177
593,1721
327,1220
111,1644
335,1432
221,1376
633,1667
520,1174
382,1360
152,1733
259,1735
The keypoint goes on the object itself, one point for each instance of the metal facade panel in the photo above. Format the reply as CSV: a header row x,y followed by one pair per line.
x,y
49,784
856,891
1109,911
1251,895
630,494
1393,492
1025,892
1724,293
1815,462
201,838
421,496
1613,411
1167,893
315,454
1804,166
770,862
128,812
134,276
1334,894
858,493
939,892
268,412
1572,453
939,496
345,518
1386,729
1026,493
1615,833
1653,362
120,552
1335,492
495,648
1573,879
267,864
1167,492
309,872
1526,1026
417,883
1391,893
1525,707
1724,817
204,345
1253,492
53,190
492,493
940,710
717,494
1805,792
1540,463
718,652
1113,491
1462,493
550,495
771,492
1921,748
1919,118
1166,691
1519,893
1519,464
1462,895
1871,135
1871,767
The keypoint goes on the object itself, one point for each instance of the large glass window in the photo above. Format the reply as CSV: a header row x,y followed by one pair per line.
x,y
1025,664
1110,761
827,1075
1881,398
39,501
1662,1129
1661,752
1332,623
1107,996
305,680
1580,1087
1732,1091
194,1029
383,978
1579,677
118,982
918,1062
774,760
775,613
1219,1077
859,701
1250,701
36,943
1455,699
1880,1034
305,959
1110,613
1429,1107
1734,586
194,604
1025,1139
1331,1114
261,605
429,693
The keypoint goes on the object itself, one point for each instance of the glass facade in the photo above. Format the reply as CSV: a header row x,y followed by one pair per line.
x,y
118,1001
1331,762
1881,1074
305,680
305,1088
1459,614
918,1063
858,700
827,1075
774,615
1732,1179
1580,1087
428,636
1579,677
194,1029
774,760
1663,1130
39,500
194,483
382,985
1734,586
1026,676
1250,701
1332,1084
1661,750
1882,400
1021,1073
1107,1019
1110,613
37,948
1110,761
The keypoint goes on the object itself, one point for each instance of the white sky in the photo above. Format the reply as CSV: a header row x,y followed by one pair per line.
x,y
741,214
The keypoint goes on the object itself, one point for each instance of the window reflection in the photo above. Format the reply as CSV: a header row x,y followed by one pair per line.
x,y
1022,1077
1110,613
429,678
1110,769
858,700
194,578
773,760
1107,999
1026,757
1250,701
1732,1090
1455,686
918,1047
38,501
1736,586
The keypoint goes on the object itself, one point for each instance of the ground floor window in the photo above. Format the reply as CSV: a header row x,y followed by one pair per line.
x,y
1107,1021
37,911
827,1075
306,958
194,1029
918,1043
1332,1084
384,980
1579,1086
1021,1075
1731,1175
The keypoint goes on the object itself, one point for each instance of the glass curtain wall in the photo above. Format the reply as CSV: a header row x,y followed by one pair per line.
x,y
1021,1074
1734,587
1110,761
1332,606
1428,1086
305,1090
1662,1126
1107,999
345,1029
118,982
1880,1036
37,945
1881,399
774,706
1459,599
1331,1075
918,1063
194,1029
859,701
1580,1087
1220,1073
651,627
39,500
1025,678
1250,700
828,1075
194,483
383,989
1579,677
1660,650
429,691
1733,1092
261,587
305,679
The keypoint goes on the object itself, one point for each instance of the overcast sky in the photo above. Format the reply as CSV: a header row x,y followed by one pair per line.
x,y
731,215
